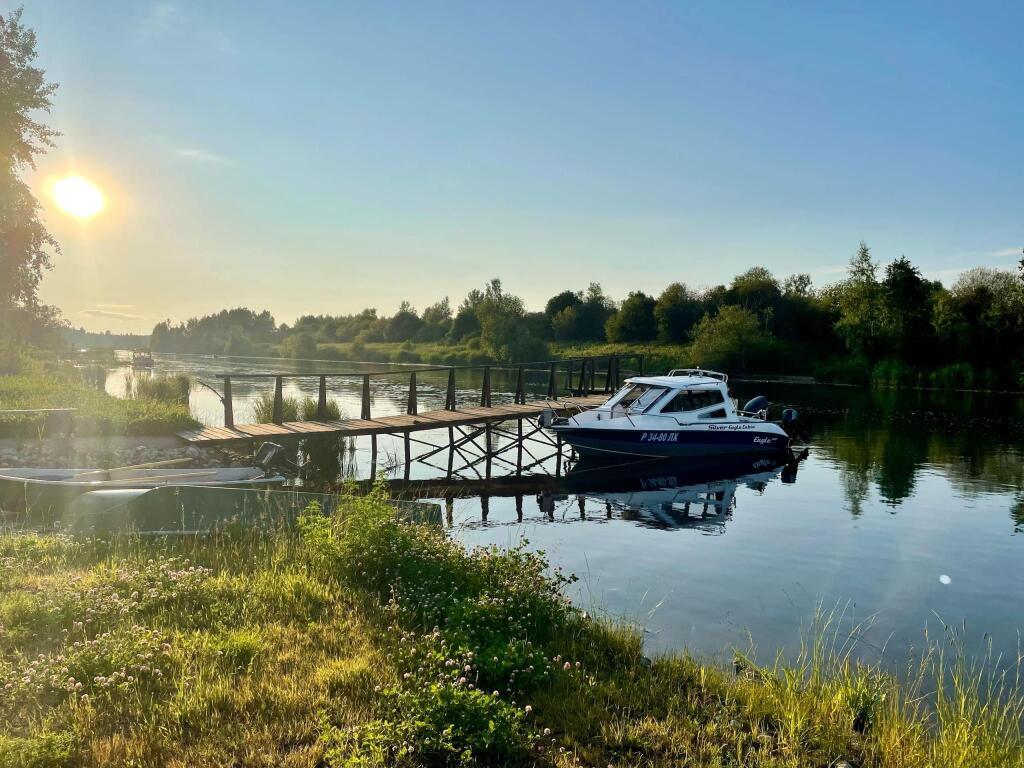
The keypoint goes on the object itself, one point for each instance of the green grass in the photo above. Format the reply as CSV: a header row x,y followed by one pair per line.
x,y
173,388
361,640
97,413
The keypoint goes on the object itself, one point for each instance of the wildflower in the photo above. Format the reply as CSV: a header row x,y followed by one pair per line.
x,y
567,666
528,709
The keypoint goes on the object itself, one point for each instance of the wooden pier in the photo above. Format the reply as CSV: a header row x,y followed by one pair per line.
x,y
573,385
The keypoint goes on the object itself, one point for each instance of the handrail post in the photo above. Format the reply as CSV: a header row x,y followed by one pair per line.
x,y
568,378
278,399
485,389
608,374
229,410
411,408
365,413
641,365
449,398
321,402
583,377
520,387
551,381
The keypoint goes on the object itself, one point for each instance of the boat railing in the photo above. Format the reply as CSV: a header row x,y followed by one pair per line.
x,y
699,372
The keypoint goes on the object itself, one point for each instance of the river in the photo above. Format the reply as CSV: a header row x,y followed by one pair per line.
x,y
907,513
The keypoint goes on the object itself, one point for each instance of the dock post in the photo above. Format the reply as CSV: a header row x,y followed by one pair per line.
x,y
520,388
485,507
408,453
411,408
451,450
485,389
487,449
641,365
568,378
519,507
583,377
558,455
449,510
321,403
449,397
278,400
229,410
366,397
373,457
551,382
519,448
608,374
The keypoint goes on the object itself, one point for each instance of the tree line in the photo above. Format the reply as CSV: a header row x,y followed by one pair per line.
x,y
889,324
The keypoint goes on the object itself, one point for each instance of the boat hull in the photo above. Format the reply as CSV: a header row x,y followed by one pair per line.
x,y
589,441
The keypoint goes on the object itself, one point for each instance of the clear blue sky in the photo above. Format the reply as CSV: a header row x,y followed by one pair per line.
x,y
327,157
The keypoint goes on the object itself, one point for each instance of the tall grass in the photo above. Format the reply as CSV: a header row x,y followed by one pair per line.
x,y
362,640
170,388
292,409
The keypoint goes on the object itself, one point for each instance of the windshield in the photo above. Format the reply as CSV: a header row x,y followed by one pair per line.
x,y
647,399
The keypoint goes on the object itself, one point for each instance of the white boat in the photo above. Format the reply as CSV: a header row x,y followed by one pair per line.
x,y
685,413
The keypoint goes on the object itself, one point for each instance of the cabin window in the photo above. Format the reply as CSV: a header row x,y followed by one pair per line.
x,y
693,400
718,413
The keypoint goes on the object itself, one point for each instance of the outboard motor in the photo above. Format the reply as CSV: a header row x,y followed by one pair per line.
x,y
757,404
793,426
270,456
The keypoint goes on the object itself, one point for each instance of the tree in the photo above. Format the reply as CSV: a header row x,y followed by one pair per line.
x,y
25,243
907,311
404,324
728,338
858,301
299,346
634,321
503,327
756,289
797,285
561,301
676,312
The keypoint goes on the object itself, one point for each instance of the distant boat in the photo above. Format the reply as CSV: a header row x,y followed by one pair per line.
x,y
142,359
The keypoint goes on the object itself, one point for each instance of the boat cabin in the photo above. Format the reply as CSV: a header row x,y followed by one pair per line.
x,y
687,395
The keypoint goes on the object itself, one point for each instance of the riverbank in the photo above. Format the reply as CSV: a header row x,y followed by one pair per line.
x,y
362,640
95,412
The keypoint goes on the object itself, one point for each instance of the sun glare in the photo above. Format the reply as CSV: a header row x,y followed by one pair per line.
x,y
78,197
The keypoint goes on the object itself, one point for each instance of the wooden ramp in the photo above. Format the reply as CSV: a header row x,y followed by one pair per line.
x,y
387,425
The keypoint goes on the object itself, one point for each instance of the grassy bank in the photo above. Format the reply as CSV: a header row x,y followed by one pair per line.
x,y
362,640
97,413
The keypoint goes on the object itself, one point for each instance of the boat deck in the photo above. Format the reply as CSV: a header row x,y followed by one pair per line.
x,y
387,425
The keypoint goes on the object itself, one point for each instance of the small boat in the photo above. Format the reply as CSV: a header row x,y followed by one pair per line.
x,y
142,359
31,490
688,412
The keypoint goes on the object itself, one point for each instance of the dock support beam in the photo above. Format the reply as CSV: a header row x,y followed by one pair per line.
x,y
485,389
552,391
520,388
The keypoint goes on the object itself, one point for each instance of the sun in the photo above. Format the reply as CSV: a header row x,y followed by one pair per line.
x,y
78,197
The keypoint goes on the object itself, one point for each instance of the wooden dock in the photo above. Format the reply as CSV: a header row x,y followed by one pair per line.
x,y
388,425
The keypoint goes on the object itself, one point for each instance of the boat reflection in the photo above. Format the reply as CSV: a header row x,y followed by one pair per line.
x,y
698,494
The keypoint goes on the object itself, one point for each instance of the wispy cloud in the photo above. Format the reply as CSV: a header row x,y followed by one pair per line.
x,y
1008,252
159,19
197,155
116,306
108,315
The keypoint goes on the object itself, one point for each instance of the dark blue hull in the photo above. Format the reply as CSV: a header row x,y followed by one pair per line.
x,y
603,442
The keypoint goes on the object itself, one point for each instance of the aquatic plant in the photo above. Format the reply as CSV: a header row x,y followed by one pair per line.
x,y
170,388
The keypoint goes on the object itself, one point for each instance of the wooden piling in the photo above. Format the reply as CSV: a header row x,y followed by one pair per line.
x,y
321,402
412,406
520,388
485,389
449,397
552,391
365,414
229,410
278,399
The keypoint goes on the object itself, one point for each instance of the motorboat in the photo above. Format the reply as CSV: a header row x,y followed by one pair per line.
x,y
688,412
141,358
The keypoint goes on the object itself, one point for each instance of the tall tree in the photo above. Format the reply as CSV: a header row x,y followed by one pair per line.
x,y
25,243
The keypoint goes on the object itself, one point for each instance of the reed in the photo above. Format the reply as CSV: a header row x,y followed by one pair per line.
x,y
170,388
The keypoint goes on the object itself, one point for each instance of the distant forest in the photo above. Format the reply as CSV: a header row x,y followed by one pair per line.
x,y
80,338
884,324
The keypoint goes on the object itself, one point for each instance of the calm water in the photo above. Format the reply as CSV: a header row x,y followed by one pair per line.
x,y
908,508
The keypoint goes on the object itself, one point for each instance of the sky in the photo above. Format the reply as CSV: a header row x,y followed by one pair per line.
x,y
318,158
